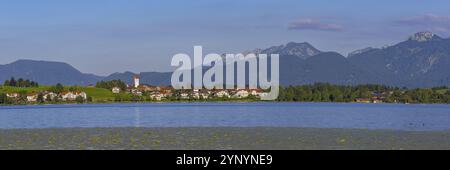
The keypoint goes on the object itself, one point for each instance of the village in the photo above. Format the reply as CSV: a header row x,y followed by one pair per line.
x,y
131,92
159,93
48,96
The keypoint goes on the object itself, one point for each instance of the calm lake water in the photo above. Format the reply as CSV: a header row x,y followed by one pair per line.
x,y
315,115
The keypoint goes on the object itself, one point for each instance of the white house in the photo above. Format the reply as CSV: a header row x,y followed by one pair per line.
x,y
32,97
196,94
256,92
241,94
222,93
12,95
136,92
204,95
115,90
184,96
68,96
201,94
157,97
50,95
81,94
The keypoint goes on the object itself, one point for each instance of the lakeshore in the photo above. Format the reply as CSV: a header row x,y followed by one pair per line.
x,y
117,91
220,138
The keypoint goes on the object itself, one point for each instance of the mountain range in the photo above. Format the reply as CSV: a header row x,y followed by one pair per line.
x,y
47,73
422,60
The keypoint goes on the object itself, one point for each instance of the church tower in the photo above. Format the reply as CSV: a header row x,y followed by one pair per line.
x,y
137,80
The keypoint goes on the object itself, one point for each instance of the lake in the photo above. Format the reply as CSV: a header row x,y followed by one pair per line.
x,y
420,117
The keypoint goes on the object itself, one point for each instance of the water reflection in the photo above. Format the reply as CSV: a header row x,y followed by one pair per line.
x,y
137,117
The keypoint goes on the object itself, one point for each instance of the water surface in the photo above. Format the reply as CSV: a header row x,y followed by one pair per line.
x,y
313,115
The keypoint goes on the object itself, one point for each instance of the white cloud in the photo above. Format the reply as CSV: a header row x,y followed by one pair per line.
x,y
313,24
425,19
427,22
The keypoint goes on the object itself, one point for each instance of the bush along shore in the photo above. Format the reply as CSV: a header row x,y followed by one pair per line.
x,y
21,92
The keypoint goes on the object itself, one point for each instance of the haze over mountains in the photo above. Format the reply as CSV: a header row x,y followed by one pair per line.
x,y
46,72
421,61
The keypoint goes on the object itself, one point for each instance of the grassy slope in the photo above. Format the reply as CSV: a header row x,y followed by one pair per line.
x,y
7,89
98,94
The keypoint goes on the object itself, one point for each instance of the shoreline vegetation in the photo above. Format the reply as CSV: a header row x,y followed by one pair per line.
x,y
220,138
26,92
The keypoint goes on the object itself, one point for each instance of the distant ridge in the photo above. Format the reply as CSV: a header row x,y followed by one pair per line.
x,y
422,60
46,73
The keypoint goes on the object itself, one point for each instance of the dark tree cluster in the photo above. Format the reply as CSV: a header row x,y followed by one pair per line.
x,y
111,84
20,83
58,88
4,99
323,92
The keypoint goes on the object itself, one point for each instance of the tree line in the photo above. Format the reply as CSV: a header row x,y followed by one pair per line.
x,y
20,83
319,92
323,92
111,84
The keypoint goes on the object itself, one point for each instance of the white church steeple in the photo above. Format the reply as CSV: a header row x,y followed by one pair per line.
x,y
136,79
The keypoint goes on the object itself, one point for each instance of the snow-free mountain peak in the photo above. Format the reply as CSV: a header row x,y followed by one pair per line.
x,y
301,50
424,36
360,51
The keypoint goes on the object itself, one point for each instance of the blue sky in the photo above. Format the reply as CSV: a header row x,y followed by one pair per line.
x,y
106,36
